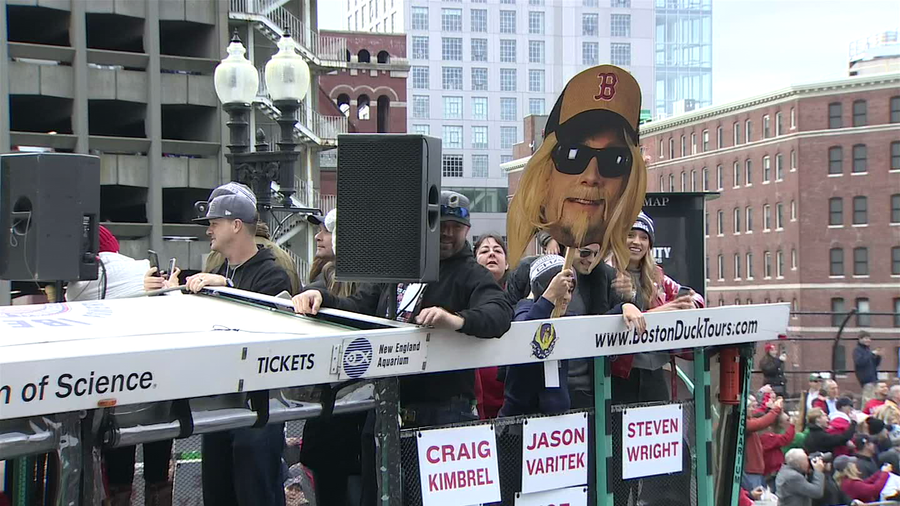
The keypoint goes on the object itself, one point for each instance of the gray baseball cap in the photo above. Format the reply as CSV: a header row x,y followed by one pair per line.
x,y
455,207
232,201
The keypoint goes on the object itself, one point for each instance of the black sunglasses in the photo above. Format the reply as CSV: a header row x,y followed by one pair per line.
x,y
585,252
574,158
462,212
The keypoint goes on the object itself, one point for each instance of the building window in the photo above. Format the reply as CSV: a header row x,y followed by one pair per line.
x,y
671,148
452,137
683,181
748,173
536,106
479,108
737,266
720,178
705,141
895,261
452,165
507,137
451,78
508,51
767,169
479,137
860,261
536,22
507,21
705,179
422,129
479,20
895,155
620,53
589,24
863,318
767,218
837,311
836,262
420,48
419,18
779,167
895,109
507,79
834,115
766,130
719,138
779,216
452,107
860,211
508,109
705,217
793,160
451,48
736,131
749,265
778,130
793,210
835,160
767,264
536,81
793,119
779,264
479,165
897,310
662,188
620,25
721,267
590,53
720,223
693,143
536,2
535,51
421,106
420,78
479,79
748,130
748,219
451,20
737,220
505,159
620,3
859,158
895,208
835,211
859,113
693,180
793,259
479,50
671,182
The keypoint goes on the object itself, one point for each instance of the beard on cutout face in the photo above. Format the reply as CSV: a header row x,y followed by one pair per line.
x,y
580,214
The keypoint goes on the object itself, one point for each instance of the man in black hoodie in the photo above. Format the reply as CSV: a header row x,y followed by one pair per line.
x,y
241,467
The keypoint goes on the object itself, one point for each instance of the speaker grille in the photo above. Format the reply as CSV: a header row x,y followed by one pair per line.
x,y
382,203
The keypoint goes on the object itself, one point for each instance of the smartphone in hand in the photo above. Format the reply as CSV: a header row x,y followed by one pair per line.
x,y
154,262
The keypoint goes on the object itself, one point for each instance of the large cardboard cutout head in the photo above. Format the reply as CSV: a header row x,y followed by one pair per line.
x,y
586,183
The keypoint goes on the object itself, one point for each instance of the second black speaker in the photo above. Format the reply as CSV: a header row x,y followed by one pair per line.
x,y
388,201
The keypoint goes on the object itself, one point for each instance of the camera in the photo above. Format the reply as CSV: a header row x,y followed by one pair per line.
x,y
824,456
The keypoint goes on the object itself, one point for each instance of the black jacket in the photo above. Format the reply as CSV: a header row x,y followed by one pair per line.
x,y
820,441
773,370
260,274
865,364
464,288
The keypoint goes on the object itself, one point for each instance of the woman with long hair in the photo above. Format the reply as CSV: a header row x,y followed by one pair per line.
x,y
849,478
490,252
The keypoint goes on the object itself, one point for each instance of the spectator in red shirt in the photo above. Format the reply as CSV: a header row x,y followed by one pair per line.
x,y
772,442
839,422
754,463
490,252
881,393
847,475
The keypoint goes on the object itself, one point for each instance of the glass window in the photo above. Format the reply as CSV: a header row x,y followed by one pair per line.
x,y
693,143
536,22
705,217
835,160
693,180
766,130
479,108
620,53
536,106
451,20
508,51
705,179
451,78
748,172
779,167
453,107
419,48
859,158
479,137
793,160
836,259
736,133
536,81
452,165
860,210
838,312
749,219
895,109
737,220
793,259
859,113
767,217
451,48
767,264
479,79
479,50
720,141
793,210
508,108
590,53
835,211
779,216
778,130
897,307
719,178
834,115
720,222
736,174
767,169
620,3
779,264
589,3
420,78
452,137
507,21
536,2
683,181
422,129
507,79
705,141
589,24
535,51
421,106
721,267
479,20
419,18
507,137
748,130
895,208
480,165
895,155
860,261
895,261
737,266
749,265
863,318
620,25
671,182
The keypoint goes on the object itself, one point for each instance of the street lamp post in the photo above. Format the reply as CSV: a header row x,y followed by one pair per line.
x,y
237,81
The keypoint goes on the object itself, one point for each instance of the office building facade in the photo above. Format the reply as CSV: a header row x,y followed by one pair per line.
x,y
683,55
380,16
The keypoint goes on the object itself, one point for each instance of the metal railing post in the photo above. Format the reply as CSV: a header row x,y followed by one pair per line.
x,y
387,441
703,428
602,429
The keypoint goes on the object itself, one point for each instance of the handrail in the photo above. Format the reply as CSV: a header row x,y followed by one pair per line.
x,y
323,47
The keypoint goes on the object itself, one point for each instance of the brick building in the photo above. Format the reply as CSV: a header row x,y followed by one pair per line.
x,y
809,211
371,92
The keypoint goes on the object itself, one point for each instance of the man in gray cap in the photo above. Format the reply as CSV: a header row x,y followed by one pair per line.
x,y
241,467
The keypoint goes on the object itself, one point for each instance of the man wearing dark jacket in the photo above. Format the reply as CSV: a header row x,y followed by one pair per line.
x,y
241,467
866,362
818,439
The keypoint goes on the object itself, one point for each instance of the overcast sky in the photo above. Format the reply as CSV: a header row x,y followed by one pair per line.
x,y
763,45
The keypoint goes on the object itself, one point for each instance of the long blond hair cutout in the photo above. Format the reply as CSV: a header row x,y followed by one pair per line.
x,y
525,217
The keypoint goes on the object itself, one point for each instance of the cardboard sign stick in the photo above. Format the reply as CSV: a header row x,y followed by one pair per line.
x,y
571,255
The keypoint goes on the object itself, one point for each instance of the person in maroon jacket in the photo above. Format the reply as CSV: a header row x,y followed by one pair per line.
x,y
772,443
847,475
754,463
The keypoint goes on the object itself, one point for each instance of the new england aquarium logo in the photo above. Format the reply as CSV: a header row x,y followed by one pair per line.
x,y
357,357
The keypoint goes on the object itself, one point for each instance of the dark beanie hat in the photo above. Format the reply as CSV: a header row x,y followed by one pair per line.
x,y
645,223
542,272
875,425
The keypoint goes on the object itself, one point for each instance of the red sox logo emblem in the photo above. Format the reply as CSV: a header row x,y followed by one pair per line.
x,y
607,86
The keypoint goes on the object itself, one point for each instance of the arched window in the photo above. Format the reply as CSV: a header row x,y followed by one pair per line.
x,y
343,103
363,56
384,114
362,107
384,57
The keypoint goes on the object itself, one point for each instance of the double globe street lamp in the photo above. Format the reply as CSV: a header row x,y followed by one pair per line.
x,y
287,81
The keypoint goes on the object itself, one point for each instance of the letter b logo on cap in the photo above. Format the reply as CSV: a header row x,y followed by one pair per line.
x,y
607,86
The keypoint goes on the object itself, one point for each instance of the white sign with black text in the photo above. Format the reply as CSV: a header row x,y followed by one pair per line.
x,y
574,496
554,452
458,466
652,441
386,355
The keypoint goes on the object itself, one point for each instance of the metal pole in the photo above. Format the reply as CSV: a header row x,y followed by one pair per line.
x,y
287,120
387,441
703,428
603,429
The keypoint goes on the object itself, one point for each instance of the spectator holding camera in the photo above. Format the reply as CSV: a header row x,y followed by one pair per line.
x,y
849,477
794,485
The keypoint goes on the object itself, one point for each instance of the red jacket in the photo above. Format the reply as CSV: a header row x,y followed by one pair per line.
x,y
839,426
754,463
745,499
868,490
872,405
772,444
821,404
489,392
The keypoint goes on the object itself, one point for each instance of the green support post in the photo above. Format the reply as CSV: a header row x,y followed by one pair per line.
x,y
746,357
703,428
602,434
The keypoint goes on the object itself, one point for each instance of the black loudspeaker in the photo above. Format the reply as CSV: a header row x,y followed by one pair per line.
x,y
49,206
388,202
